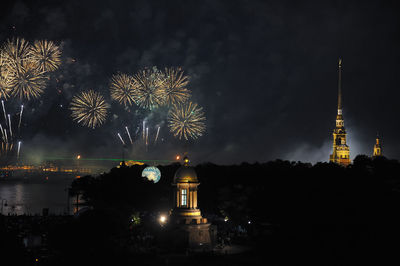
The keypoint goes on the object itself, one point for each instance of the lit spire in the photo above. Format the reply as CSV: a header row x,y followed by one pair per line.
x,y
186,161
340,88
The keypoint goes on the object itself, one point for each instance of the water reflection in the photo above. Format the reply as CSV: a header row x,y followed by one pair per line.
x,y
32,195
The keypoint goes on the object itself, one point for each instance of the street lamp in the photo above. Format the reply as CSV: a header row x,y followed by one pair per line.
x,y
163,220
78,158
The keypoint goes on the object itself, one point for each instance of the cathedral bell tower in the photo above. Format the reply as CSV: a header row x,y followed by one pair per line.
x,y
341,151
377,147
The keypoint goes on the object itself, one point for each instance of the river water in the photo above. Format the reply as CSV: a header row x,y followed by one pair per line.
x,y
29,195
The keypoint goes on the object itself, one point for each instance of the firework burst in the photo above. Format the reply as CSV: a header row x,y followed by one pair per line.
x,y
27,81
175,86
89,108
46,55
5,86
187,120
149,88
122,89
15,52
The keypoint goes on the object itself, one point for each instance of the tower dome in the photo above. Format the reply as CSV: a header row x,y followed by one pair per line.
x,y
185,173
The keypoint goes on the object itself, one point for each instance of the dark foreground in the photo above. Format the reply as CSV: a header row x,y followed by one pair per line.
x,y
278,213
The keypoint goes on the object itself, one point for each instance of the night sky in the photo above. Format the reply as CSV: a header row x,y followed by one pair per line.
x,y
265,73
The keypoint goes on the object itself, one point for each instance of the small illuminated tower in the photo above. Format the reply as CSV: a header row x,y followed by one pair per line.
x,y
341,151
377,147
192,230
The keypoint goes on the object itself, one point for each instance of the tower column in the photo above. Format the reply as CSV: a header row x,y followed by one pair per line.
x,y
177,198
195,199
191,199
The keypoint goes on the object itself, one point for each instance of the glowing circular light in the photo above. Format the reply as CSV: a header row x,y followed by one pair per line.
x,y
152,173
163,219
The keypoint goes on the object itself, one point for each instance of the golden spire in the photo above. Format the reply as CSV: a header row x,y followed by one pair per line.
x,y
340,88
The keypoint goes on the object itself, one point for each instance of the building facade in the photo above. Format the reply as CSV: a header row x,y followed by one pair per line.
x,y
341,151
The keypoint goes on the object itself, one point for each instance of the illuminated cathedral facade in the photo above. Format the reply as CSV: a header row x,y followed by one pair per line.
x,y
341,151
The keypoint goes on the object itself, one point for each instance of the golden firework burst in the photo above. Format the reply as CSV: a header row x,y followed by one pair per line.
x,y
26,81
15,52
175,86
5,86
149,88
89,108
122,89
187,120
46,55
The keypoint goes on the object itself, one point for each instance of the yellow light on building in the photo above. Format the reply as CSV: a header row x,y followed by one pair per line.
x,y
341,151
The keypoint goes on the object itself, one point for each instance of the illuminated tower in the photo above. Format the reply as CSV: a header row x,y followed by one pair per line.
x,y
377,147
191,229
341,151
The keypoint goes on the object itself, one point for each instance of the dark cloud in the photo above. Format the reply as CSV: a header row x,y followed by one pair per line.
x,y
265,72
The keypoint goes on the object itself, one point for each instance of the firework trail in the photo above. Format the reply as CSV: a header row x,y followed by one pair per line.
x,y
149,90
147,136
45,55
123,142
8,134
144,130
19,148
158,131
89,108
186,121
9,125
20,117
4,111
2,132
122,89
175,86
129,135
